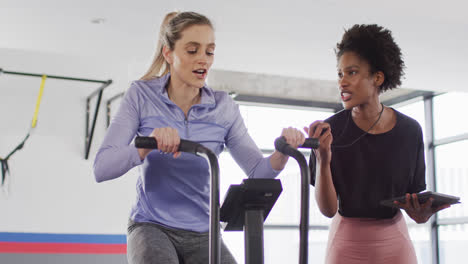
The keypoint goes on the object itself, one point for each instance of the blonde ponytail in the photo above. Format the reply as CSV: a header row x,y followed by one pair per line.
x,y
159,66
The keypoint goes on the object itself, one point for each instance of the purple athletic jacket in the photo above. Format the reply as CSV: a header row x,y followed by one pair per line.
x,y
175,192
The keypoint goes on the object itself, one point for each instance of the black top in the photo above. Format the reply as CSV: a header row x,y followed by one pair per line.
x,y
376,167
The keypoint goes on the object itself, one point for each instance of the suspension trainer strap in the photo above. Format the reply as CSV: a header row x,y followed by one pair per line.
x,y
4,161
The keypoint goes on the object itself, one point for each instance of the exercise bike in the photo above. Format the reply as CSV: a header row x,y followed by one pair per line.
x,y
247,205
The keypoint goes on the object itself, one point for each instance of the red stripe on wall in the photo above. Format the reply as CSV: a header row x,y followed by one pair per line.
x,y
62,248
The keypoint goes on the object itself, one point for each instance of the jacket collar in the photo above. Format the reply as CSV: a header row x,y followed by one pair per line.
x,y
207,94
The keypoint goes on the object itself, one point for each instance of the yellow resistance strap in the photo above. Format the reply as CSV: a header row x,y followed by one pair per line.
x,y
38,102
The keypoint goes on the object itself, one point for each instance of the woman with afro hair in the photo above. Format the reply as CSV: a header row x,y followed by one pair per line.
x,y
368,153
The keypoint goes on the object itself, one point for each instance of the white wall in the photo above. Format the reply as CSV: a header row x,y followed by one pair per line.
x,y
52,187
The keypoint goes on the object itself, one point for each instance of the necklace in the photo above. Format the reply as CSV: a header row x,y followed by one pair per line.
x,y
363,134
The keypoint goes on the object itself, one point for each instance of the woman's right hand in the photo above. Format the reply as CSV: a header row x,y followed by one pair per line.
x,y
322,131
168,142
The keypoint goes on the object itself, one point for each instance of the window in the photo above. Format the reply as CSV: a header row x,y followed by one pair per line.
x,y
453,243
451,173
449,115
452,176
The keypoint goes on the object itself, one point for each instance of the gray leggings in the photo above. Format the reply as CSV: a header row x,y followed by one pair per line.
x,y
149,243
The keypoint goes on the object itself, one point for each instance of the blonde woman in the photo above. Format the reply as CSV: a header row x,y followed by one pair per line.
x,y
169,222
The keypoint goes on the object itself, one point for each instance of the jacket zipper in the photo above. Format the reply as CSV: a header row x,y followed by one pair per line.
x,y
186,121
186,127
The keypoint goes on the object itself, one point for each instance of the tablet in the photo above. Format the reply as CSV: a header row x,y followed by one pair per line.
x,y
439,199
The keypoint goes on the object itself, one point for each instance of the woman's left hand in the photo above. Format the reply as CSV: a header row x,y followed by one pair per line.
x,y
294,137
420,213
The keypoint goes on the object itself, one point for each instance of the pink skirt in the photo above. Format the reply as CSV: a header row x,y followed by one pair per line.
x,y
365,240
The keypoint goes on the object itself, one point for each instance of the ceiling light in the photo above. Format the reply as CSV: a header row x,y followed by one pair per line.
x,y
98,20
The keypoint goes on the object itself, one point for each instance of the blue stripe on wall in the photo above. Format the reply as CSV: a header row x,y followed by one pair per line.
x,y
62,238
